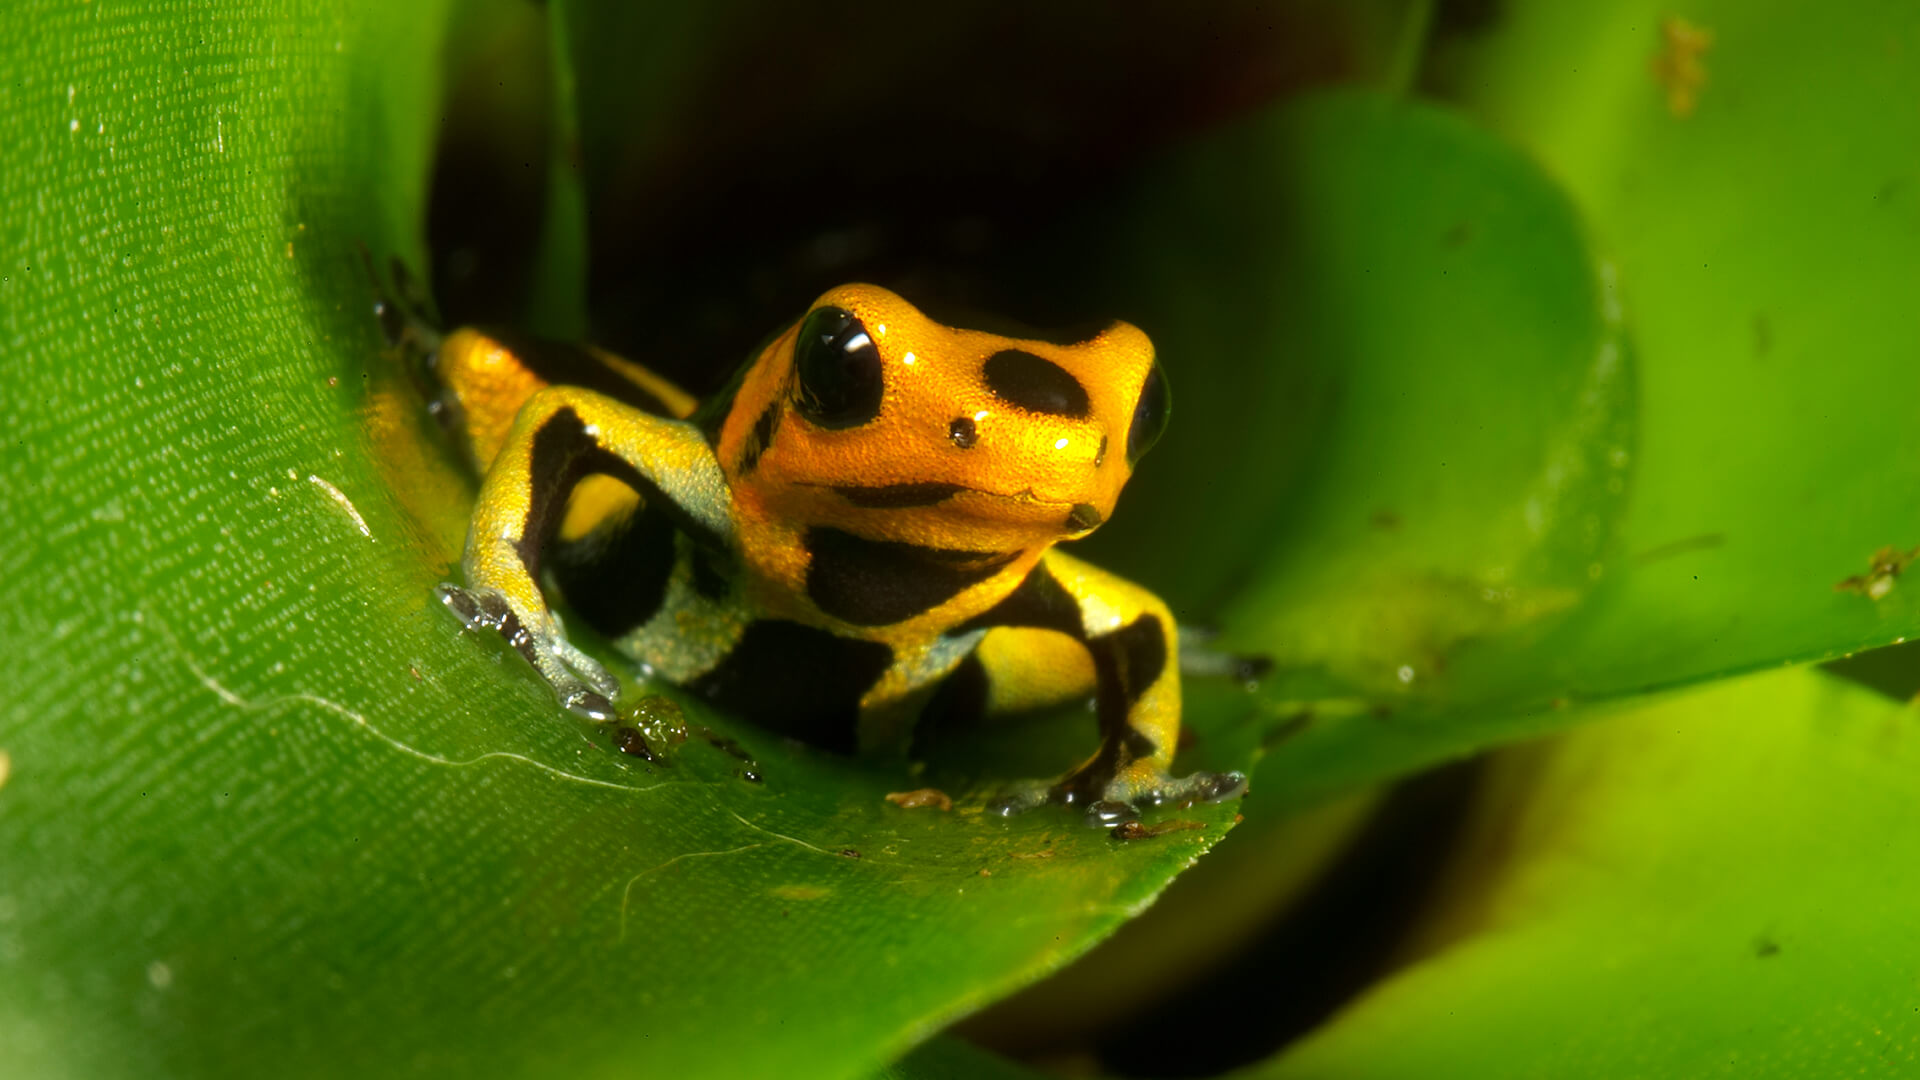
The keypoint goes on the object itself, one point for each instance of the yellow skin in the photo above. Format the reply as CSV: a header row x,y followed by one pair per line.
x,y
871,506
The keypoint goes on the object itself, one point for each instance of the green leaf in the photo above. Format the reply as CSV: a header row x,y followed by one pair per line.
x,y
264,809
1720,882
1765,249
1403,412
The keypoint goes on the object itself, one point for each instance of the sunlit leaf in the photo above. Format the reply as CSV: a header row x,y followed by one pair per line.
x,y
1717,883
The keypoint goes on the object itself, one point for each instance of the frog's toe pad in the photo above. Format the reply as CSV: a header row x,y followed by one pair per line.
x,y
582,685
1161,790
477,609
1122,799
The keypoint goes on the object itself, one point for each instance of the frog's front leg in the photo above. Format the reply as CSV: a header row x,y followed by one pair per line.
x,y
1132,639
561,435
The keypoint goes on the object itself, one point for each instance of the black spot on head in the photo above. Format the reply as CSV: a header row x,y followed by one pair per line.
x,y
839,369
962,433
1035,383
1149,416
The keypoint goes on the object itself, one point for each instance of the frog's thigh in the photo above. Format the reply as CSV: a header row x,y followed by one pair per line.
x,y
562,435
1031,668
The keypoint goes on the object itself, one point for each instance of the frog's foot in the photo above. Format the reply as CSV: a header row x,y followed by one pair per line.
x,y
578,680
1120,798
402,306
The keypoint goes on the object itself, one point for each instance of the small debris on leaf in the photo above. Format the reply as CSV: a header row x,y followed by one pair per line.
x,y
631,742
1681,68
849,853
1883,569
920,798
1134,830
660,720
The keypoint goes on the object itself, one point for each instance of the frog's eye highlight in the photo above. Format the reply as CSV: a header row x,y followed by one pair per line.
x,y
839,367
1035,383
1149,416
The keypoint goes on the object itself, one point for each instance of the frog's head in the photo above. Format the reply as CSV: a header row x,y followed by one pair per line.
x,y
873,418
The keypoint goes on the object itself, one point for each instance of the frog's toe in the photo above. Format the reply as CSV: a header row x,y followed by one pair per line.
x,y
1022,797
1159,790
477,609
583,686
590,670
1121,799
587,703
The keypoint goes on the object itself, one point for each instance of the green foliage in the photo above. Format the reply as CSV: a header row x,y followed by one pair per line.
x,y
1717,883
1484,411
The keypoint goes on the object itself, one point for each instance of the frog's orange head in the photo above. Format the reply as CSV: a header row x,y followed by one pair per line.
x,y
871,417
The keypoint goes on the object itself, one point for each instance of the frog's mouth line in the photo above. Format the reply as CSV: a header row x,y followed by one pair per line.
x,y
1080,516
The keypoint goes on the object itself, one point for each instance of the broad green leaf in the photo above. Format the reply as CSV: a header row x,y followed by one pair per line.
x,y
263,809
1719,883
1405,416
1411,410
1765,243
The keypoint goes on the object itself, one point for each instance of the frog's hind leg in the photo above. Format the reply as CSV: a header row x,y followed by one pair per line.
x,y
1128,635
561,436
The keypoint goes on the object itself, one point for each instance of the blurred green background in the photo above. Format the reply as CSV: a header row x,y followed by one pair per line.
x,y
1544,385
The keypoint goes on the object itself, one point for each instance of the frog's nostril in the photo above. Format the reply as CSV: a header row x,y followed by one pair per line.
x,y
1100,455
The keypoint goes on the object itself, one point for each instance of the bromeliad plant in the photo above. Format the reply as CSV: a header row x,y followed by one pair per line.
x,y
1561,358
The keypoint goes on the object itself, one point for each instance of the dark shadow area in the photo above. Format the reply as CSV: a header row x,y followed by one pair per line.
x,y
1893,671
1296,973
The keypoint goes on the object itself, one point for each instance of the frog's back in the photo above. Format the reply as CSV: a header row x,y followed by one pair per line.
x,y
488,373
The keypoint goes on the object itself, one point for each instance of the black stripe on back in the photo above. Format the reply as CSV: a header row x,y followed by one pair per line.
x,y
879,582
797,680
566,364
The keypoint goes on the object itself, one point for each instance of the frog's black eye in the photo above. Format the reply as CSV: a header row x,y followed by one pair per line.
x,y
839,366
1149,416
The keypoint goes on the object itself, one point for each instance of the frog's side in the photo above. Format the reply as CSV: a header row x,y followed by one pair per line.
x,y
871,504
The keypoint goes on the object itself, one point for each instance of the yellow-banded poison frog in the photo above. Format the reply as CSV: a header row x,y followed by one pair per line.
x,y
867,509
